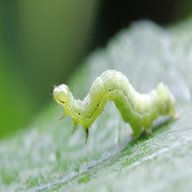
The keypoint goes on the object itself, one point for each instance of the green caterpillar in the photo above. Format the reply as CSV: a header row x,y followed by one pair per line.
x,y
139,110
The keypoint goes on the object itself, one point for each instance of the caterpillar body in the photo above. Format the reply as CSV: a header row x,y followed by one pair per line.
x,y
139,110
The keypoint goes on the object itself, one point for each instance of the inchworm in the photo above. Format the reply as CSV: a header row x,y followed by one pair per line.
x,y
139,110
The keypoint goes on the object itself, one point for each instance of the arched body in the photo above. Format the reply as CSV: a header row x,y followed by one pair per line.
x,y
139,110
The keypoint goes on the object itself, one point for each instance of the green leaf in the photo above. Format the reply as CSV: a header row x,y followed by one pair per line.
x,y
46,157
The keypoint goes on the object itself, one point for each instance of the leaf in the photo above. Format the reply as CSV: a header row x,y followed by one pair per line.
x,y
46,157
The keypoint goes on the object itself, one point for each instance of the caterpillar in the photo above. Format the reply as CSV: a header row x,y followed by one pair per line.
x,y
139,110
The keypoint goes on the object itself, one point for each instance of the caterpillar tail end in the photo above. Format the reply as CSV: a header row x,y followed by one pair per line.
x,y
176,116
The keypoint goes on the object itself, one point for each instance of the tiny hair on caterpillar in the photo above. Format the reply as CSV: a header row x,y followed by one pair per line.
x,y
139,110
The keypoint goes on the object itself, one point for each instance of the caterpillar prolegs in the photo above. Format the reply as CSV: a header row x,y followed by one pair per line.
x,y
139,110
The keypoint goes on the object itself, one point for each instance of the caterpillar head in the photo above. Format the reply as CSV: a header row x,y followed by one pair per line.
x,y
62,94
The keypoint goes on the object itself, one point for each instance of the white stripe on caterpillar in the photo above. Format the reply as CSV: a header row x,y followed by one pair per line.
x,y
139,110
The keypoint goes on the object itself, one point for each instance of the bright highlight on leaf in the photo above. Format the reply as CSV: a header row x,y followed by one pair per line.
x,y
139,110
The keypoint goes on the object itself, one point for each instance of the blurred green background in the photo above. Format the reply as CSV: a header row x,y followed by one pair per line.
x,y
43,41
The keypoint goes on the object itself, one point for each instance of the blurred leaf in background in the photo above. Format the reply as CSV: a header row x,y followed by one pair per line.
x,y
16,104
41,42
183,9
52,37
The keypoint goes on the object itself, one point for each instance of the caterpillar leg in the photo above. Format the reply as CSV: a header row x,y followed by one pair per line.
x,y
136,133
86,134
74,127
137,129
62,116
148,125
148,131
